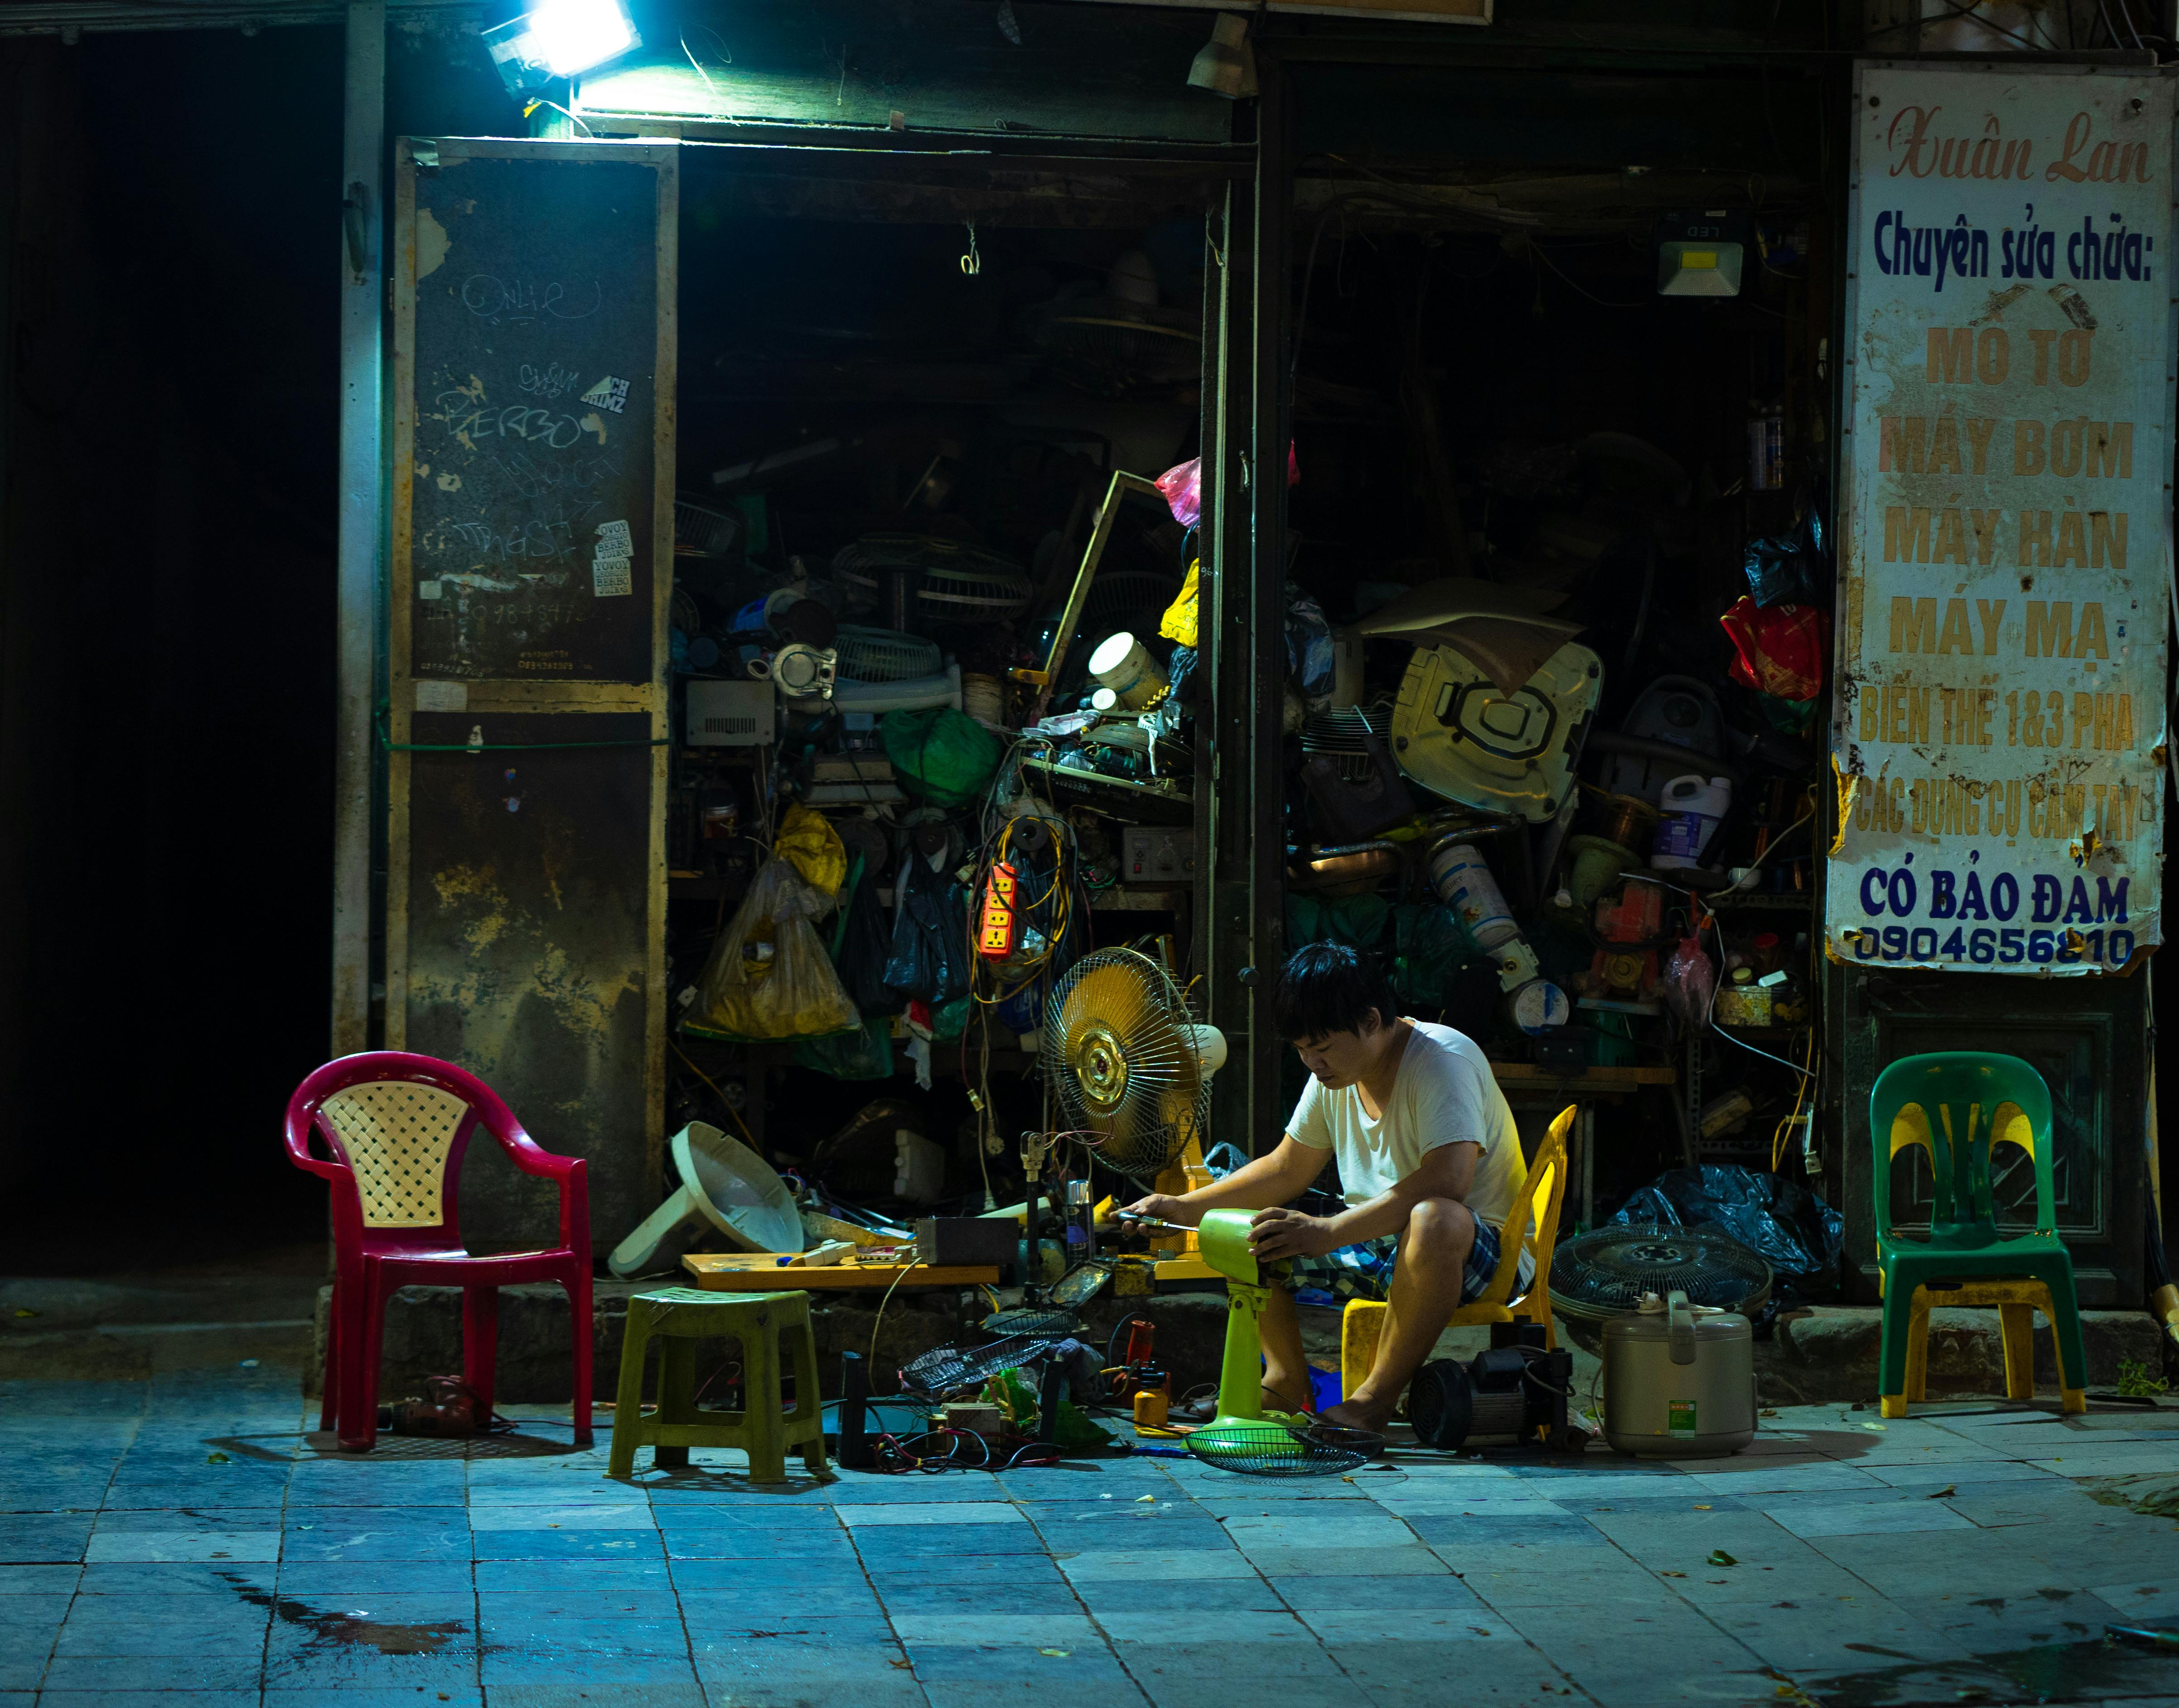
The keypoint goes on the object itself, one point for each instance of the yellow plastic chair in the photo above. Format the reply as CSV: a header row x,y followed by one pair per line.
x,y
1362,1325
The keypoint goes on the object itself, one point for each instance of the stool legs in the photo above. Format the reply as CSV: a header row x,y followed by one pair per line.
x,y
764,1428
763,1413
676,1395
808,1403
628,1411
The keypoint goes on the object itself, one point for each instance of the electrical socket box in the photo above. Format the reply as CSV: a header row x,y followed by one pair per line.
x,y
730,714
1154,854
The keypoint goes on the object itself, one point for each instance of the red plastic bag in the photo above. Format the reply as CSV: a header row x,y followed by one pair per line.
x,y
1182,486
1781,647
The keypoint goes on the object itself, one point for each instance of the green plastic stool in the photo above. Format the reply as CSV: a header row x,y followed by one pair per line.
x,y
1949,1104
680,1316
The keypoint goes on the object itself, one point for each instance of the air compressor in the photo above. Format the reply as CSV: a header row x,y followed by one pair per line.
x,y
1513,1392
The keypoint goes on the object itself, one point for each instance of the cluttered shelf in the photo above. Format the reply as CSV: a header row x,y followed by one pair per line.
x,y
697,887
1527,1075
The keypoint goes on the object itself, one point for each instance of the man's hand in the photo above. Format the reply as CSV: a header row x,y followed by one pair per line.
x,y
1276,1234
1160,1207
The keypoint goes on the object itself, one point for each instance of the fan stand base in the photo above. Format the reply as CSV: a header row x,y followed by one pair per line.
x,y
1241,1370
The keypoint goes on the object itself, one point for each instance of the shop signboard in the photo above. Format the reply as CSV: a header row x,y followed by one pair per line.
x,y
2004,521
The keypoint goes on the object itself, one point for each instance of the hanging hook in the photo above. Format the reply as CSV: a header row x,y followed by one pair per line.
x,y
972,262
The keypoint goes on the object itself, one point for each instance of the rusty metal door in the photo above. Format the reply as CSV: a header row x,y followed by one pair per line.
x,y
525,724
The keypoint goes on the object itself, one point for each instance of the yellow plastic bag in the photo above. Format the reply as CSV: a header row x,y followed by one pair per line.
x,y
769,976
1179,622
809,840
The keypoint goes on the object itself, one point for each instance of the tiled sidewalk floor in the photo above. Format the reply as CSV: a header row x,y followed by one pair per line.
x,y
186,1536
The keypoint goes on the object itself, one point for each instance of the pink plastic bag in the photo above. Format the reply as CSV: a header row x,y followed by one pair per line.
x,y
1182,486
1689,979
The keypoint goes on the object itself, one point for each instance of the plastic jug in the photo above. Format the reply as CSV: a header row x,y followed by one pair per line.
x,y
1692,808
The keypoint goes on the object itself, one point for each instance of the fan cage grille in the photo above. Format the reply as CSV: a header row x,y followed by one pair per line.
x,y
884,655
1606,1272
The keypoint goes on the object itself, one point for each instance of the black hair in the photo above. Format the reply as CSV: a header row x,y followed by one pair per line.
x,y
1331,987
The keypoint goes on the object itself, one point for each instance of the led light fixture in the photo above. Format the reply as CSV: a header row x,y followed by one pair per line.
x,y
557,39
1700,253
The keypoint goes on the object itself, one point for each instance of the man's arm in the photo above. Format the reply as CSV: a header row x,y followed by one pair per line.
x,y
1284,1174
1445,1172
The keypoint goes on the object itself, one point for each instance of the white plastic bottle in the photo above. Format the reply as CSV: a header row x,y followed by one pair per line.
x,y
1692,809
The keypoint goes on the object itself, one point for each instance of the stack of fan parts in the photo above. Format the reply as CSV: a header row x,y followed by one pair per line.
x,y
1604,1274
885,654
952,583
702,530
945,1368
1038,1322
1115,347
1341,732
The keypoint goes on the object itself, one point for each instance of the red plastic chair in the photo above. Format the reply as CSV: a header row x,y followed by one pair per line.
x,y
397,1125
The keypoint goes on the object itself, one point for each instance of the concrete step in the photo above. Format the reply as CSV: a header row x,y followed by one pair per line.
x,y
1820,1356
424,1324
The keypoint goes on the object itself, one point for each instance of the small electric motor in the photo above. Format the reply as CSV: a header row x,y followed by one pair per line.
x,y
1515,1390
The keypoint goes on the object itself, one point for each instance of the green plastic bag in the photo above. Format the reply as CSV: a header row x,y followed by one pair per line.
x,y
866,1054
941,754
1357,920
1430,949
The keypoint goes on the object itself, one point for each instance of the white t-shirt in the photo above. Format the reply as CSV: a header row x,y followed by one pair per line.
x,y
1443,1094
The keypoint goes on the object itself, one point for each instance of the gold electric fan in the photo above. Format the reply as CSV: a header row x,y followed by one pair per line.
x,y
1131,1066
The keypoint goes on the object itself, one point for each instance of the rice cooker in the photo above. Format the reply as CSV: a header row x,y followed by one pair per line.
x,y
1679,1379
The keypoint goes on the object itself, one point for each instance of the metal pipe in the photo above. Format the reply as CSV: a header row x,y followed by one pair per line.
x,y
362,509
1269,434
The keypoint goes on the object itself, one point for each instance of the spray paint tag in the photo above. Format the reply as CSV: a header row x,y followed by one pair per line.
x,y
1680,1417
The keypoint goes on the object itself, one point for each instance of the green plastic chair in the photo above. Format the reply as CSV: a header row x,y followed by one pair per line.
x,y
1979,1101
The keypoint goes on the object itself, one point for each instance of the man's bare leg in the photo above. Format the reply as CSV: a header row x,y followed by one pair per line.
x,y
1428,1280
1286,1370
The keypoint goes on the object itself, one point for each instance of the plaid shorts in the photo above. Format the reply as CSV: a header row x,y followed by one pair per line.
x,y
1365,1270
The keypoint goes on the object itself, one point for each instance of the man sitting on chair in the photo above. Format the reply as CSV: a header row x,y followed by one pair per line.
x,y
1429,1159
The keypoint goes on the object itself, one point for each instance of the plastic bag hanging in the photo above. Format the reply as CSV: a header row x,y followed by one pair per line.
x,y
1689,980
769,976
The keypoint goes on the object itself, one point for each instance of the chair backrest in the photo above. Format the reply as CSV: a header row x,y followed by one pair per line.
x,y
397,1125
1959,1105
1535,1213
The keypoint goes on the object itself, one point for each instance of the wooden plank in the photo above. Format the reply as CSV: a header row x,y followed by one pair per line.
x,y
759,1271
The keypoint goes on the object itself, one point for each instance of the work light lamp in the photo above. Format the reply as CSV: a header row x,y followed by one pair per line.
x,y
558,39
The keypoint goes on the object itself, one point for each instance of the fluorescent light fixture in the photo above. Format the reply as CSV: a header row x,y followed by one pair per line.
x,y
558,39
